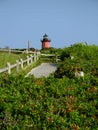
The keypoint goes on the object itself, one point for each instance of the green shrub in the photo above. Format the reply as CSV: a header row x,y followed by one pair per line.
x,y
47,103
51,103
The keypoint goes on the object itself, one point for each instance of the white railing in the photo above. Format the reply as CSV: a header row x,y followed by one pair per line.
x,y
20,63
18,51
52,57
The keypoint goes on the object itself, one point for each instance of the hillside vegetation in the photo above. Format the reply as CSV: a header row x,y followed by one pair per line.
x,y
84,58
58,102
10,57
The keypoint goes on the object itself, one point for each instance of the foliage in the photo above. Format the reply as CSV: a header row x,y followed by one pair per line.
x,y
85,58
48,103
51,50
53,103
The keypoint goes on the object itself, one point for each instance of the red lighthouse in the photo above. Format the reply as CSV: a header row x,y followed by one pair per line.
x,y
45,42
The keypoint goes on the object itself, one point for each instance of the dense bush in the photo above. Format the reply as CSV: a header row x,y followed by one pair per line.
x,y
48,103
52,103
85,59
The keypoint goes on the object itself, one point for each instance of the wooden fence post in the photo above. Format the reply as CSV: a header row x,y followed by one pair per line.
x,y
21,60
17,67
9,68
31,58
28,61
35,56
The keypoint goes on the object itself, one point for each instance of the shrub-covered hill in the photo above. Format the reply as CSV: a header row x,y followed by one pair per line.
x,y
48,103
52,103
78,57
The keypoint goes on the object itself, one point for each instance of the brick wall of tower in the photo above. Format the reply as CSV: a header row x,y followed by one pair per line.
x,y
45,44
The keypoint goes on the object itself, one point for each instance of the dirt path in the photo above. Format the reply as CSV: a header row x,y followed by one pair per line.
x,y
43,70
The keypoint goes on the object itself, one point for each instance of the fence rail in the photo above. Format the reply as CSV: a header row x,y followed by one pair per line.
x,y
18,51
50,57
20,63
29,60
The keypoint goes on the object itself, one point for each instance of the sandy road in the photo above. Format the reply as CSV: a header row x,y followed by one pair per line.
x,y
43,70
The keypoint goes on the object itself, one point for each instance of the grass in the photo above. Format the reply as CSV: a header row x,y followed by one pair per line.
x,y
27,69
10,57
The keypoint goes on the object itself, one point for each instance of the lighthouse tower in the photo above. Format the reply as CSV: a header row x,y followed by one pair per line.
x,y
45,42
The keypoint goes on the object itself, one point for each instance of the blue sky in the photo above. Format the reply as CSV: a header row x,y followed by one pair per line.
x,y
65,22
